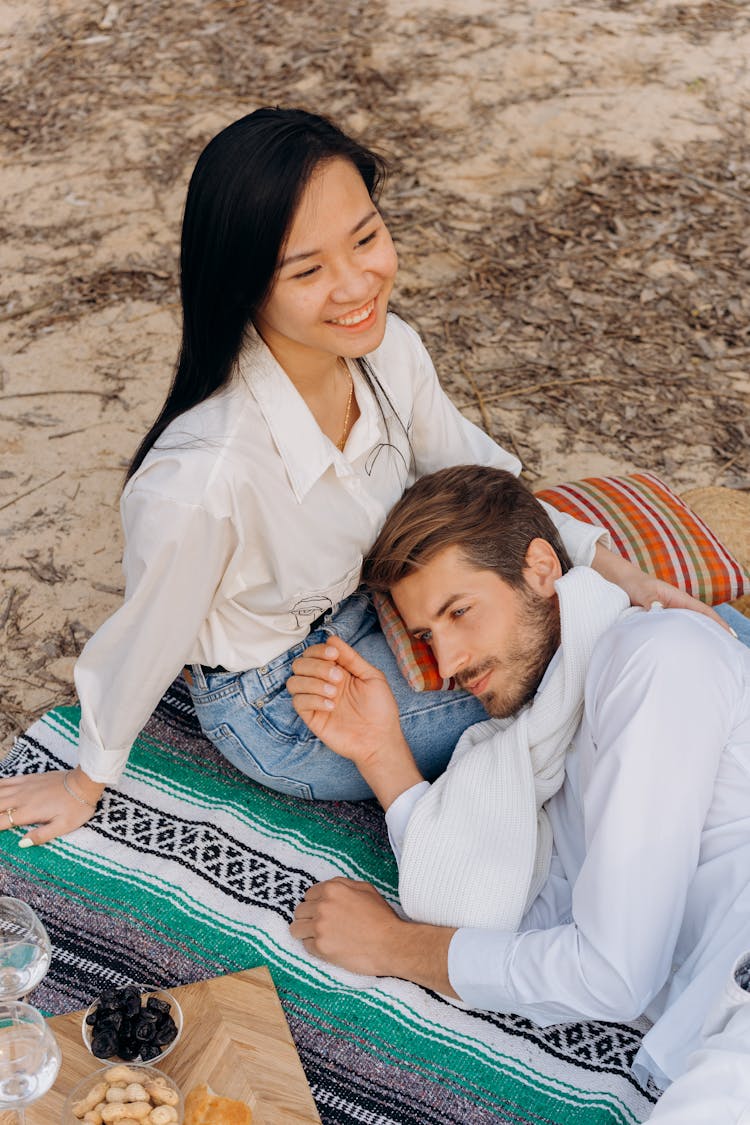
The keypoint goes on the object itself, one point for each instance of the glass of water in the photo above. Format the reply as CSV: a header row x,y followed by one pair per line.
x,y
25,949
29,1056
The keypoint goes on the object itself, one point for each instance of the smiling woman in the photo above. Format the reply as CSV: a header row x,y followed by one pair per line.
x,y
331,302
299,411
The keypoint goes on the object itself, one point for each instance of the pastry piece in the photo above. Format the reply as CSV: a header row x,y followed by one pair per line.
x,y
204,1107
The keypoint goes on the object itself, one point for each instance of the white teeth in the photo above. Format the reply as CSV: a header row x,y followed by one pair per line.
x,y
355,318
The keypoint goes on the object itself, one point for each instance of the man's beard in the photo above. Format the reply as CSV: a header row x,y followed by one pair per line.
x,y
535,643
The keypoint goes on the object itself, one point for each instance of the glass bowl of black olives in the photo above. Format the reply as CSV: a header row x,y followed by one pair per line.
x,y
133,1024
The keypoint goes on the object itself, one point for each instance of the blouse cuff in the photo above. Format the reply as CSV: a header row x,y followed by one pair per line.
x,y
104,766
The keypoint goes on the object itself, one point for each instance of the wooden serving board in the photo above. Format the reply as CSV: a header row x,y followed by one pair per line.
x,y
235,1038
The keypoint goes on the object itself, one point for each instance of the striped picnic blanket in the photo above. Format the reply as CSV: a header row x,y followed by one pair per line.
x,y
191,870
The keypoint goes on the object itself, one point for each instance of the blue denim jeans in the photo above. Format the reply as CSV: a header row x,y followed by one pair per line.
x,y
249,716
738,621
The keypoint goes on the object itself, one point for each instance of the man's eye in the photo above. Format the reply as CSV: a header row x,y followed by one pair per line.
x,y
426,636
460,612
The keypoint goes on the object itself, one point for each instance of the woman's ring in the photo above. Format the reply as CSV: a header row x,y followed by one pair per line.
x,y
11,821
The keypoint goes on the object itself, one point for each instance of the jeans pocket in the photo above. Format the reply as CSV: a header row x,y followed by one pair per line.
x,y
270,772
220,687
275,714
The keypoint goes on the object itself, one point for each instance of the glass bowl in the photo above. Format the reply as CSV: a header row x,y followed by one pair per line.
x,y
148,993
86,1091
25,949
29,1057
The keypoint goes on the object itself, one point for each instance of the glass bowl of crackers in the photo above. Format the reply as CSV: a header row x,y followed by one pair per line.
x,y
123,1093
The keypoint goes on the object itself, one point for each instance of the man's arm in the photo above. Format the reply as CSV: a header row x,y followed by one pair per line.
x,y
348,704
351,925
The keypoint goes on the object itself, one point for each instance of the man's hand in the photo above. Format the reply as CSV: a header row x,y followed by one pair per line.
x,y
349,924
345,701
42,799
348,705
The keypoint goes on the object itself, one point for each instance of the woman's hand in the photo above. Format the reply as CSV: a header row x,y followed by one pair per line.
x,y
643,589
42,799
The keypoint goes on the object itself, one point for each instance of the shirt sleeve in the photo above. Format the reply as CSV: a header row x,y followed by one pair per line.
x,y
441,436
398,815
174,559
580,539
659,702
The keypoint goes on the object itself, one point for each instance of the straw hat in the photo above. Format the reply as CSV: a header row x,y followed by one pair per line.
x,y
727,513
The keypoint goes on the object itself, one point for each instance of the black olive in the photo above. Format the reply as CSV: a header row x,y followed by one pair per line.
x,y
131,1005
166,1032
111,1020
145,1032
154,1004
104,1044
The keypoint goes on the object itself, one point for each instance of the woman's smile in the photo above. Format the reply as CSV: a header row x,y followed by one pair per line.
x,y
359,318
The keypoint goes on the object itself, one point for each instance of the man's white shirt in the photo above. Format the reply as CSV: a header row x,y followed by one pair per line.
x,y
648,901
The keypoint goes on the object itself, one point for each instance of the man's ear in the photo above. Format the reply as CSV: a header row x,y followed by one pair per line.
x,y
542,568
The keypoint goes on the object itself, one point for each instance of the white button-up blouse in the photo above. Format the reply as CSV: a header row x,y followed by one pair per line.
x,y
245,522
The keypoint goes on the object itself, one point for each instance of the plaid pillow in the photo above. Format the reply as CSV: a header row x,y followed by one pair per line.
x,y
649,525
657,531
414,657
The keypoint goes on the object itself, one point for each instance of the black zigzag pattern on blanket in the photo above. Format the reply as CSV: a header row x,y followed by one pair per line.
x,y
605,1048
249,876
30,756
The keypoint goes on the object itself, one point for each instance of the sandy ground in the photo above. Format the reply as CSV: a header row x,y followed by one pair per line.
x,y
570,200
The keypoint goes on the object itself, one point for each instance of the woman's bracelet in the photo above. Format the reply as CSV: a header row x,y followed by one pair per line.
x,y
74,795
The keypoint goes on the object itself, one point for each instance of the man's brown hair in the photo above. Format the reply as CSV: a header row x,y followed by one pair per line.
x,y
487,513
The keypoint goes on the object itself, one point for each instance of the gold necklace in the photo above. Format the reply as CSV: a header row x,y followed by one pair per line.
x,y
342,440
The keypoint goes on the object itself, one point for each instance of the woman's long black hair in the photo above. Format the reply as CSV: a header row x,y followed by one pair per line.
x,y
241,201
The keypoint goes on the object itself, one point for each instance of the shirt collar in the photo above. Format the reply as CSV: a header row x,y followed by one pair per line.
x,y
368,430
304,449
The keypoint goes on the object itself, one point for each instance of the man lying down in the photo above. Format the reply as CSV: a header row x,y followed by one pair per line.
x,y
587,853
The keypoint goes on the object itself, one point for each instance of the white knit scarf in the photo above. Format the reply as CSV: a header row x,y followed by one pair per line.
x,y
478,845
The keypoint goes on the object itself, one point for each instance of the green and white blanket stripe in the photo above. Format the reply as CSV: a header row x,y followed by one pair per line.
x,y
190,870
